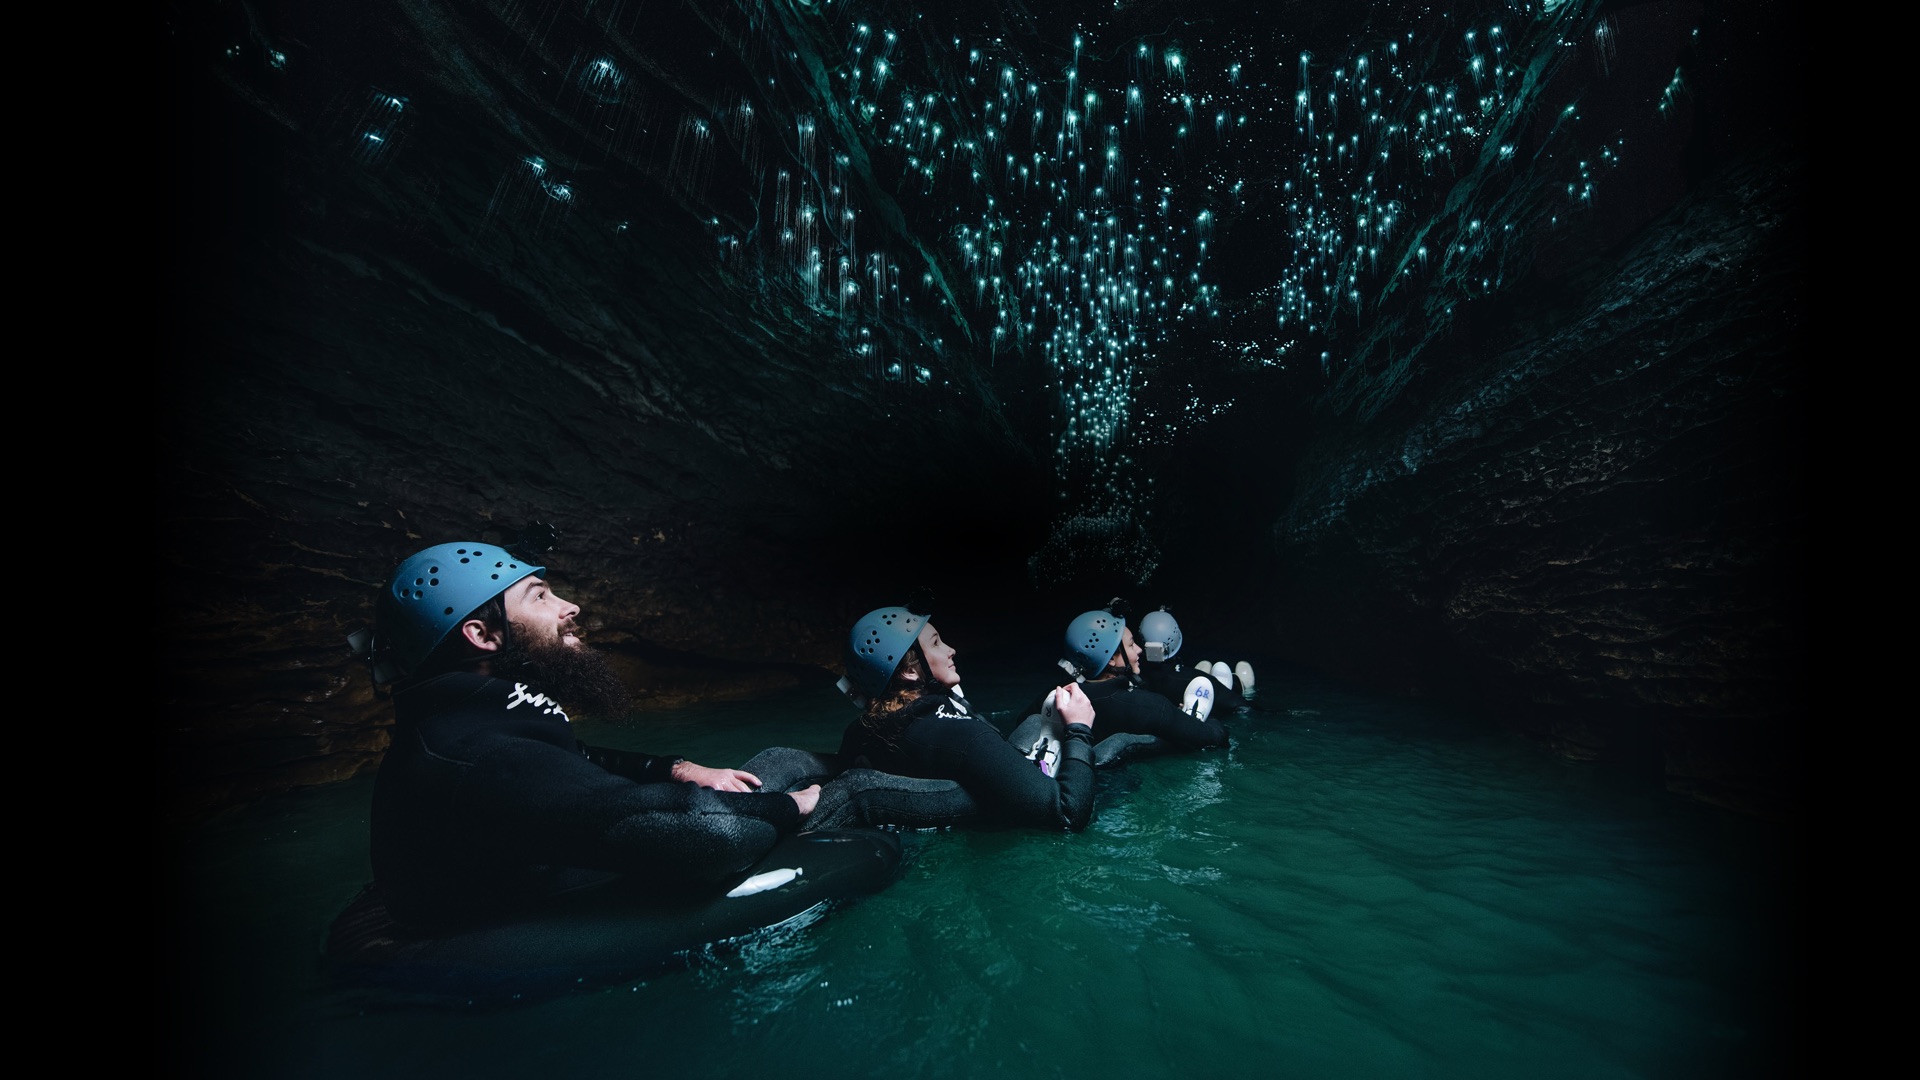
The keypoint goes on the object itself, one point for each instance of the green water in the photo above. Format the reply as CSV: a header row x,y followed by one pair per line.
x,y
1358,887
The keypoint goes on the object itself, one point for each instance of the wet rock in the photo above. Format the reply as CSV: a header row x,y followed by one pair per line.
x,y
1599,528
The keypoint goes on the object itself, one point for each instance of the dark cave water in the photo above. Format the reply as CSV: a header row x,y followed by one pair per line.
x,y
1360,886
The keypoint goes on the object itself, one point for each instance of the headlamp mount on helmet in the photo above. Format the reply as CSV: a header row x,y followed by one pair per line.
x,y
1159,636
920,601
533,540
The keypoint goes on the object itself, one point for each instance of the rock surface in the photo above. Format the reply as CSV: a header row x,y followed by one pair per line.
x,y
1599,522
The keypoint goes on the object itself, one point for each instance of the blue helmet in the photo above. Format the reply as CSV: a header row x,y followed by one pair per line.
x,y
879,642
1092,639
433,591
1157,628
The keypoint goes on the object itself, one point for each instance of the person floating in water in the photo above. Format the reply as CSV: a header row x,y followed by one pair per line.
x,y
1103,657
915,722
486,803
1160,641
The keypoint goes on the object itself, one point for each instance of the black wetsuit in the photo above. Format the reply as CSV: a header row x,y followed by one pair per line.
x,y
1121,705
1169,679
486,804
940,738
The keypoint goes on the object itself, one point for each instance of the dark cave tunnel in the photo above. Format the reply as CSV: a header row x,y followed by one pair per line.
x,y
1453,350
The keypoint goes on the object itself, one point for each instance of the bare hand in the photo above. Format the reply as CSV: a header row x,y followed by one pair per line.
x,y
807,797
1072,704
717,779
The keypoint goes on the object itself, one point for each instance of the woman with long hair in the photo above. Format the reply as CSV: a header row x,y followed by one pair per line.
x,y
916,722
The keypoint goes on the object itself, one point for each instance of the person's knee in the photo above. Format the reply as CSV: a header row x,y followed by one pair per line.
x,y
783,768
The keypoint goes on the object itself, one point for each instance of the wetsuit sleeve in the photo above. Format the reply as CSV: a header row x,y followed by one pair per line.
x,y
1075,773
1006,785
1144,713
538,803
637,767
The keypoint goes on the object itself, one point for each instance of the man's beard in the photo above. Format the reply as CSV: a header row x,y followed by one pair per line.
x,y
580,679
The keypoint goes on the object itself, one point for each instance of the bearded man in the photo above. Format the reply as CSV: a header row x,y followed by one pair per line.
x,y
486,804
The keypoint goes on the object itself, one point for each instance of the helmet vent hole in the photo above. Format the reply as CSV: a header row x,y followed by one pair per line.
x,y
449,611
435,581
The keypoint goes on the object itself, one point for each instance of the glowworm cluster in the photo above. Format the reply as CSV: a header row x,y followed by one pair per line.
x,y
948,201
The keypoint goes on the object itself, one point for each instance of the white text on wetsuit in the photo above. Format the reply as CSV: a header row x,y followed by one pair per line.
x,y
520,696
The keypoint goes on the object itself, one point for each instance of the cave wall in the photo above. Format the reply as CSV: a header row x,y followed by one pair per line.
x,y
1597,526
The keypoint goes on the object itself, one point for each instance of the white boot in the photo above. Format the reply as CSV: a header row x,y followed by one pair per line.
x,y
1201,667
1198,700
1224,673
1245,671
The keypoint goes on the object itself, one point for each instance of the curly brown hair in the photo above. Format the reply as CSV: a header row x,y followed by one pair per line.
x,y
909,684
